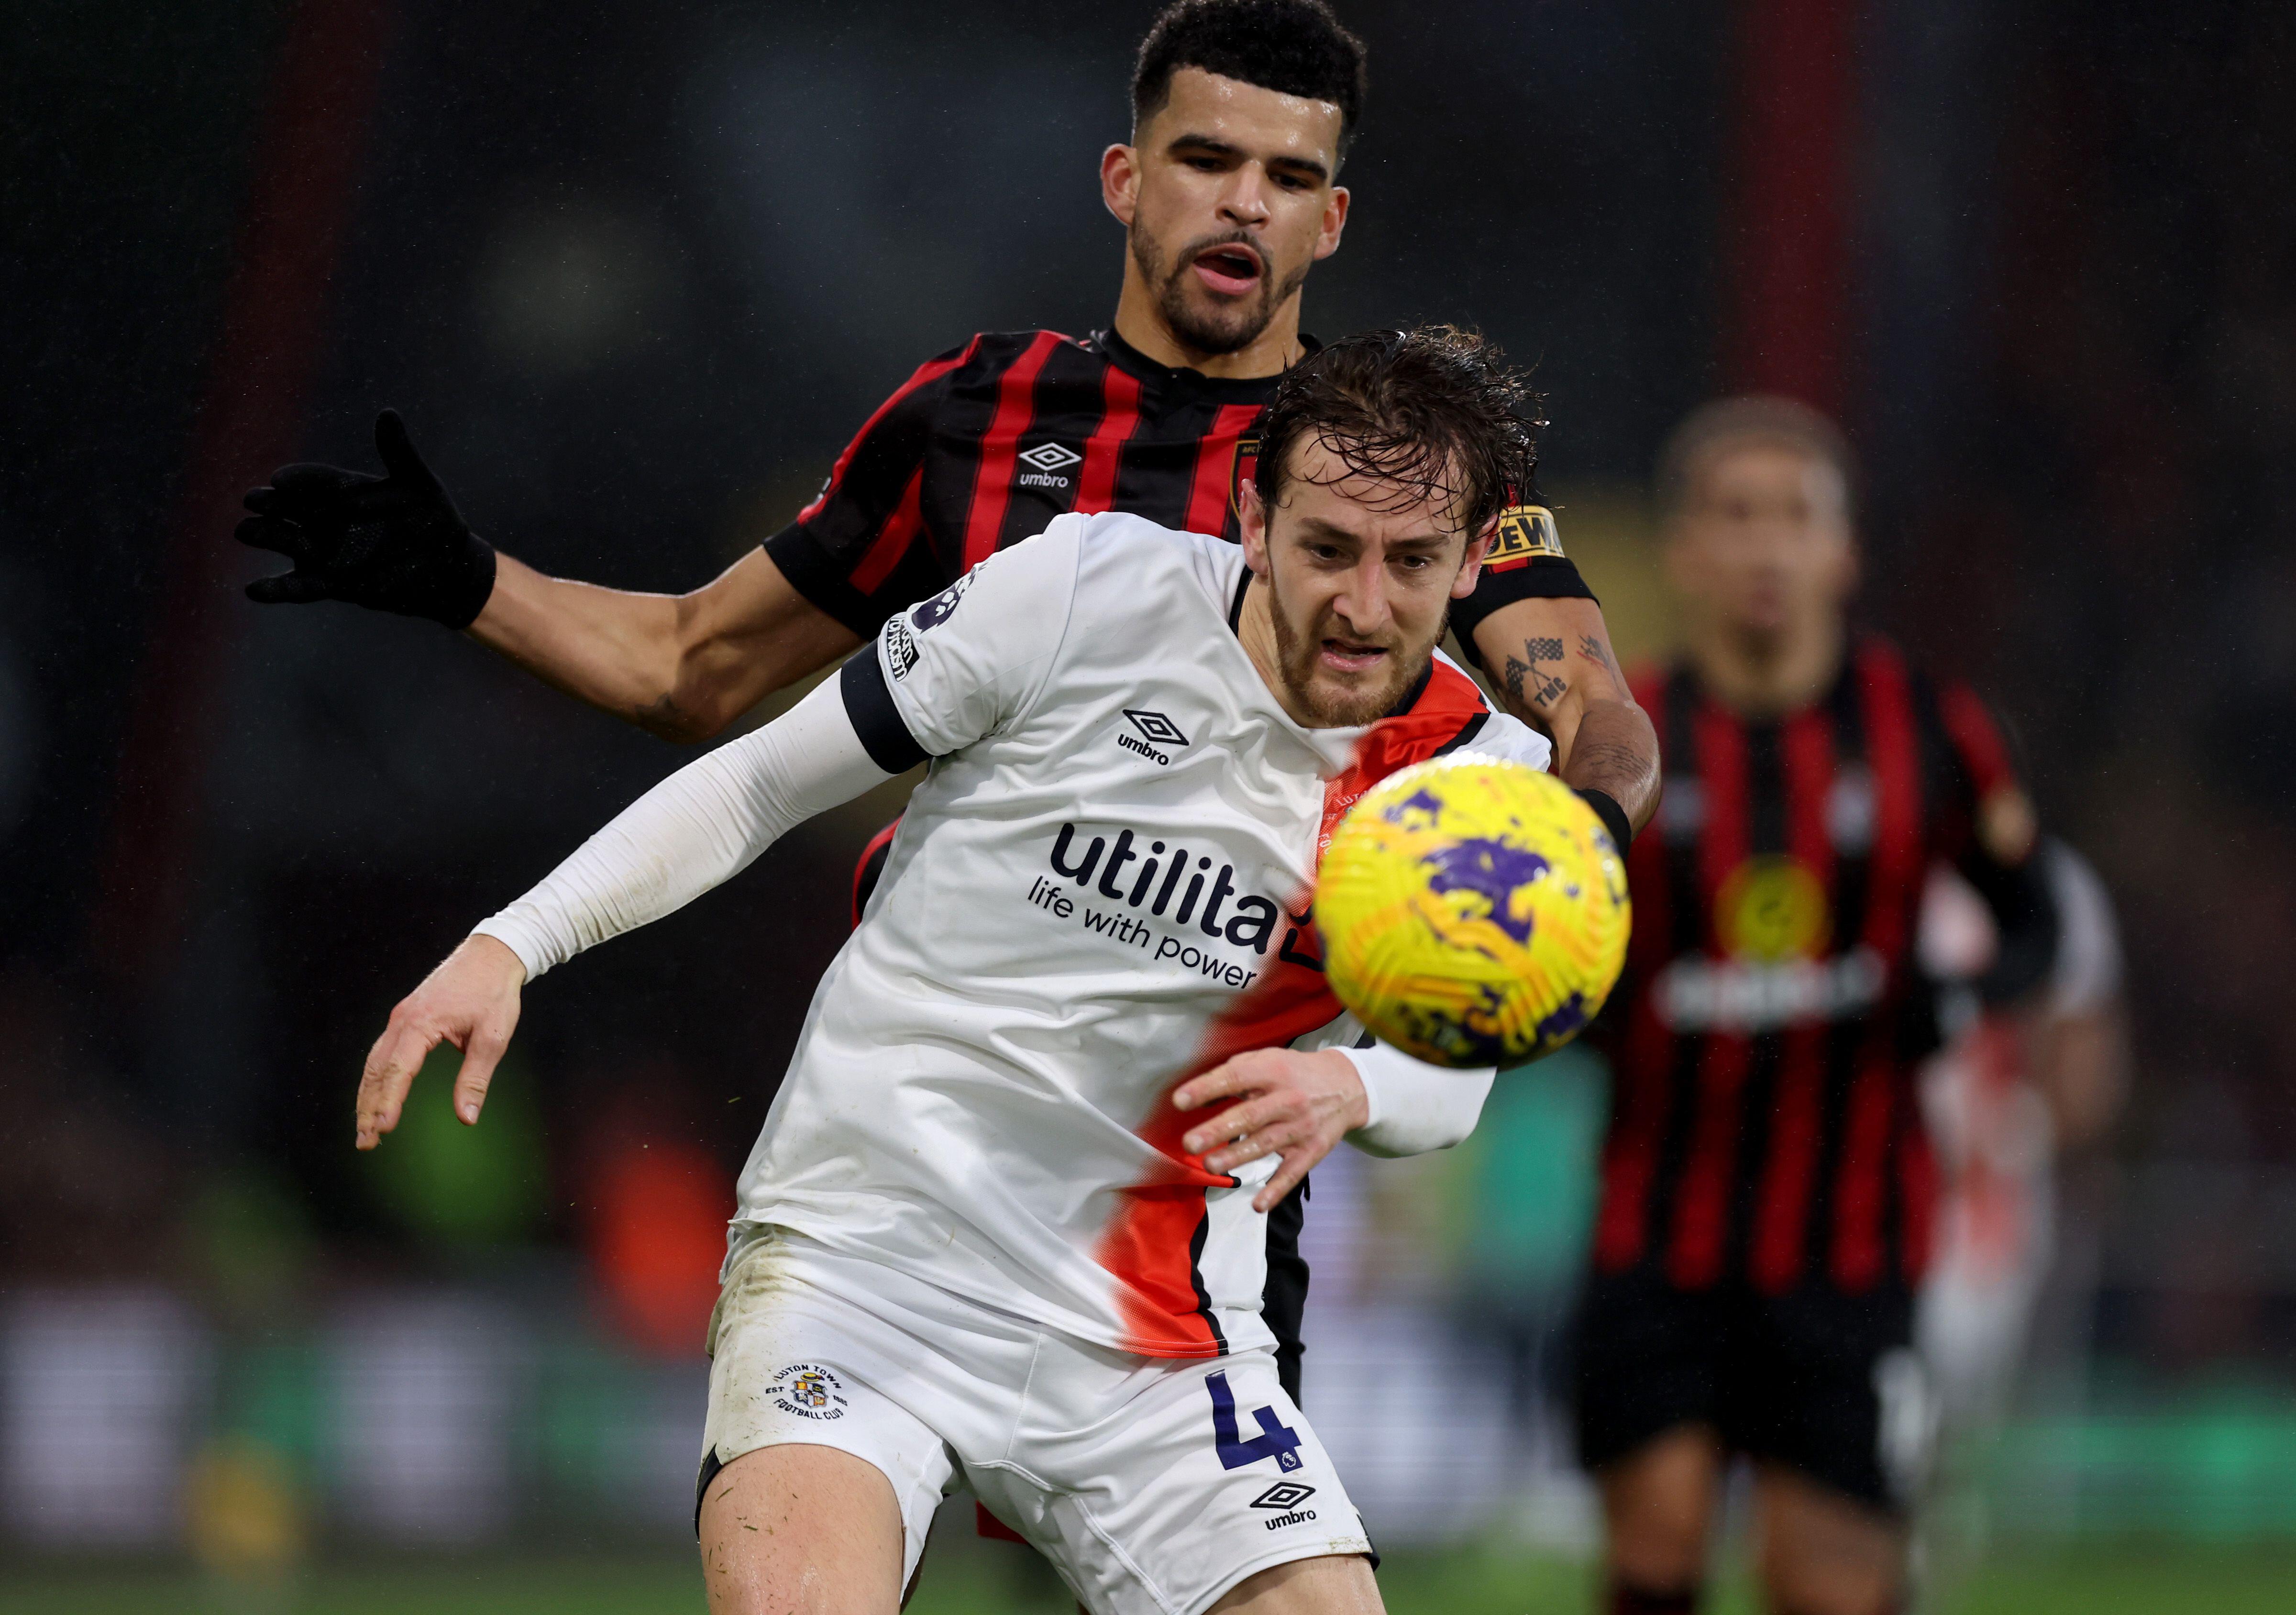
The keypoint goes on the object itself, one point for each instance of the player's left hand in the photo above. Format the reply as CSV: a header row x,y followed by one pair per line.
x,y
1296,1106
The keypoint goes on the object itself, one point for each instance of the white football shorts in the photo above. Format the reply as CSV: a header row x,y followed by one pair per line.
x,y
1152,1484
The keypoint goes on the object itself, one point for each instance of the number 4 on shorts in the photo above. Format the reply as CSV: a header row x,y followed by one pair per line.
x,y
1274,1441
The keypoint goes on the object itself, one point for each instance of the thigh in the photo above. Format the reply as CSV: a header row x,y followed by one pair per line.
x,y
795,1368
810,1528
1658,1508
1326,1585
1158,1487
1820,1553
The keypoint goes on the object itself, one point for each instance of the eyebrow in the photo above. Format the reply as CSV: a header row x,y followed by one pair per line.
x,y
1224,148
1318,527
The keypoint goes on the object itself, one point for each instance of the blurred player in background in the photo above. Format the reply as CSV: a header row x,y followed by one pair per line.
x,y
1767,1183
2008,1097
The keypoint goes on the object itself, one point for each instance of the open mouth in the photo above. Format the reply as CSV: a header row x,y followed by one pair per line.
x,y
1347,657
1231,269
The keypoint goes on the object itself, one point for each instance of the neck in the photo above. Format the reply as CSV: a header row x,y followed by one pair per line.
x,y
1255,627
1140,320
1762,675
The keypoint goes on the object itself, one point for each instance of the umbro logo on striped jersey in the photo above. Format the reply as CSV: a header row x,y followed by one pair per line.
x,y
1047,462
1051,456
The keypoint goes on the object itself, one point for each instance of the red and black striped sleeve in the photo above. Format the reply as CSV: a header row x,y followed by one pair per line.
x,y
846,551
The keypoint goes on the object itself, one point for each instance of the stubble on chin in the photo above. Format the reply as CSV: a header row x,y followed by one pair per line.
x,y
1331,709
1222,331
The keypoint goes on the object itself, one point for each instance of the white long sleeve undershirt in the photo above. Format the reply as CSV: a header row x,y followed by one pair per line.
x,y
1416,1107
696,830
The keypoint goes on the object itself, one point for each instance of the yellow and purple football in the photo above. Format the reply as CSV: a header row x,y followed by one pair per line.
x,y
1473,910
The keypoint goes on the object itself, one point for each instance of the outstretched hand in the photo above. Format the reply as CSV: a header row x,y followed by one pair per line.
x,y
1293,1105
394,543
471,1001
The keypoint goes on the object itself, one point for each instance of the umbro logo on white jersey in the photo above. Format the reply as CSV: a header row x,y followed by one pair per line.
x,y
1045,463
1155,728
1051,456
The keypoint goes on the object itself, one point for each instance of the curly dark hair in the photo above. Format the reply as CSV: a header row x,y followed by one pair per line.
x,y
1433,411
1296,47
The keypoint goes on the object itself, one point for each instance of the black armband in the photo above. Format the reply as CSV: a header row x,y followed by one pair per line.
x,y
869,704
1541,577
1613,817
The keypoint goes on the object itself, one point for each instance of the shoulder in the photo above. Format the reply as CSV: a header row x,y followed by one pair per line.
x,y
1134,561
991,357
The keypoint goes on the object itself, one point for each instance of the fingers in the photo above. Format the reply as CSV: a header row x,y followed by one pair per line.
x,y
272,533
1242,1075
289,588
398,455
391,1068
1290,1172
481,1055
294,486
1237,1122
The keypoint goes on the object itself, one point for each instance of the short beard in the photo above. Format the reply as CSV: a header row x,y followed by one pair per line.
x,y
1223,330
1295,664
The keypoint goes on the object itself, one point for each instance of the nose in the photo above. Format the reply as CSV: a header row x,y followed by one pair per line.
x,y
1363,603
1244,202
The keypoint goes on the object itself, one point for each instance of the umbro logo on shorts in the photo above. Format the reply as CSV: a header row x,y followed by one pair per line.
x,y
1286,1495
1045,463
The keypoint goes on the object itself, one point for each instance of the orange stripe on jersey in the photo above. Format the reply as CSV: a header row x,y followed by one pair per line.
x,y
1208,500
1149,1245
1000,448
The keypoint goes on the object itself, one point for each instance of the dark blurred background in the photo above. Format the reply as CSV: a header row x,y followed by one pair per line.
x,y
634,273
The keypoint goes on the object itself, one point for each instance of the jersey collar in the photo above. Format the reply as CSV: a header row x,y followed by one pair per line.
x,y
1180,379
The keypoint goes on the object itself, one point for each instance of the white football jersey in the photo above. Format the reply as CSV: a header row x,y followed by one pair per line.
x,y
1098,891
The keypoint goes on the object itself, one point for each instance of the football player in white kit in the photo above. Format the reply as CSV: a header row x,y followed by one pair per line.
x,y
997,1227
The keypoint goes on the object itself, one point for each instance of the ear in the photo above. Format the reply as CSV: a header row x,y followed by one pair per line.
x,y
1252,523
1335,220
1472,567
1120,183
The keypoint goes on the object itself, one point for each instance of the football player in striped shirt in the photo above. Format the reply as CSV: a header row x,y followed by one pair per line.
x,y
1766,1179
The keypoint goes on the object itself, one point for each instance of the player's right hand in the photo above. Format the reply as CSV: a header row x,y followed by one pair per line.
x,y
471,1001
394,543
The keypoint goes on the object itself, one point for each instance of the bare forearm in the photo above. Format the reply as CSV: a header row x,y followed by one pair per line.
x,y
1552,667
681,666
1614,750
617,650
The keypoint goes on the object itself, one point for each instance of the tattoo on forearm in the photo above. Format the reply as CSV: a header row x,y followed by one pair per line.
x,y
1523,680
1595,650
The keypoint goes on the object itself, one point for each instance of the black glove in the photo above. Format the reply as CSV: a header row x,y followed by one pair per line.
x,y
393,543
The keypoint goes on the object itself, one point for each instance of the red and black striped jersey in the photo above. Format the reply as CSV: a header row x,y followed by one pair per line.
x,y
986,444
1764,1125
